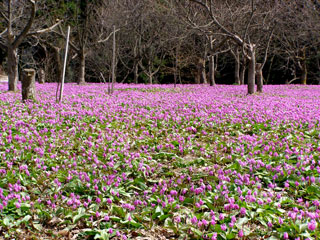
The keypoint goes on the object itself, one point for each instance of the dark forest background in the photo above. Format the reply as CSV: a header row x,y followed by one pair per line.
x,y
164,41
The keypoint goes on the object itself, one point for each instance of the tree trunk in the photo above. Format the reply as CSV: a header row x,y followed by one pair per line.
x,y
251,70
58,63
58,68
136,62
41,76
198,75
304,75
259,77
237,68
82,68
28,85
203,72
136,72
150,73
212,71
243,72
12,69
176,66
269,70
201,75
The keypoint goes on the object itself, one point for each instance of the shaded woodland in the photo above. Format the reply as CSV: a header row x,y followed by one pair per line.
x,y
251,42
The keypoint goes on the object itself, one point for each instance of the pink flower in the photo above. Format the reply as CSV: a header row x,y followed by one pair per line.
x,y
243,211
177,219
18,205
223,227
280,220
240,234
285,235
312,225
194,220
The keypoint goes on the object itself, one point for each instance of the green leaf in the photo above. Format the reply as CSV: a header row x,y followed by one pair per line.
x,y
37,226
306,234
119,211
77,217
241,221
135,224
163,217
231,236
7,221
196,231
273,238
303,227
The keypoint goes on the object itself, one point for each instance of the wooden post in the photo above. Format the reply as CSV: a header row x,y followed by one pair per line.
x,y
64,65
28,85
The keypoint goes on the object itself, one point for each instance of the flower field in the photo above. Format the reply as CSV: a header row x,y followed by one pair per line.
x,y
154,162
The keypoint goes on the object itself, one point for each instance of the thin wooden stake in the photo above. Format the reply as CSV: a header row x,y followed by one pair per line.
x,y
64,65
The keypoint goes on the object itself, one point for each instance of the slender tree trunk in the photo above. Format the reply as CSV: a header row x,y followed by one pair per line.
x,y
58,68
243,71
136,62
237,68
82,68
269,70
176,66
12,69
198,75
203,72
212,71
41,76
113,59
150,73
136,72
259,77
251,70
304,75
179,77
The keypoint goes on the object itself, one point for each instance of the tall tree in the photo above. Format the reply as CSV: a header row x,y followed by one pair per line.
x,y
17,29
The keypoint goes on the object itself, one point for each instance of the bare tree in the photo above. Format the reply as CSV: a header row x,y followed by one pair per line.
x,y
13,13
247,17
298,36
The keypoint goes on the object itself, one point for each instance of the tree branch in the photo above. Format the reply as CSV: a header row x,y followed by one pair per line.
x,y
4,16
45,30
107,38
4,31
26,29
267,49
74,47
